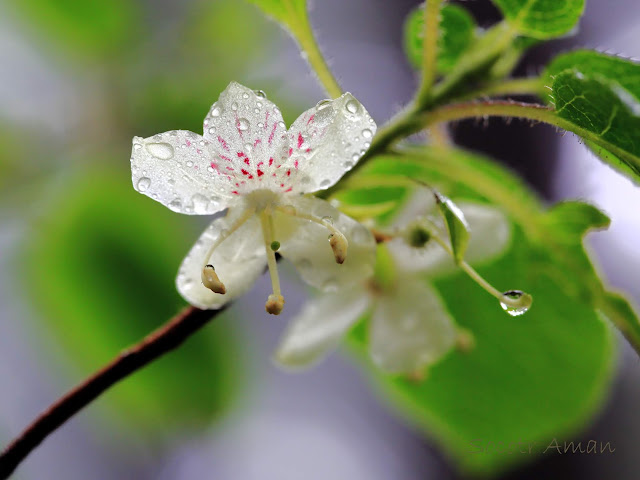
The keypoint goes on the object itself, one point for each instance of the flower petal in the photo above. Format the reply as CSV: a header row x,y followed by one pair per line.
x,y
174,168
248,139
306,244
320,326
410,328
328,140
489,227
239,260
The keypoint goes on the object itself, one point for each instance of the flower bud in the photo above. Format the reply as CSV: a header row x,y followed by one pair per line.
x,y
211,281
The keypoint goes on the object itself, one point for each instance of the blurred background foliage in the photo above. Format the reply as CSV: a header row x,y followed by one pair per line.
x,y
105,258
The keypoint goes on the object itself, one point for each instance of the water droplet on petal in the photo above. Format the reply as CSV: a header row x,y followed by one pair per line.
x,y
245,95
163,151
330,285
325,183
200,203
260,93
348,164
212,130
524,302
137,146
143,184
176,205
304,264
243,124
352,106
322,104
328,219
216,111
281,124
234,106
366,133
248,147
189,163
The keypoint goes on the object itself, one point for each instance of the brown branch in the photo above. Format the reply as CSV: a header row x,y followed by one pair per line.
x,y
163,340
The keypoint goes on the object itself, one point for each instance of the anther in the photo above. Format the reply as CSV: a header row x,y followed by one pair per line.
x,y
211,281
275,304
417,236
339,245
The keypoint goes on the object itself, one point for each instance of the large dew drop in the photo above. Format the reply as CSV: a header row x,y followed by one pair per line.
x,y
143,184
351,106
243,124
521,305
163,151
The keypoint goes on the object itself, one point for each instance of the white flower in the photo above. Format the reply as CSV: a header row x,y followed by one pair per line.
x,y
410,326
248,162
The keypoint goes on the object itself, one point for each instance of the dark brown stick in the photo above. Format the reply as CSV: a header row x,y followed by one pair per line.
x,y
163,340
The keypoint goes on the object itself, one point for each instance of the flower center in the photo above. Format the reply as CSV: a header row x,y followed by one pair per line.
x,y
264,203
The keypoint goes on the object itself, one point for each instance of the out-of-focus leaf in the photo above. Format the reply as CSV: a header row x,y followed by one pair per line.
x,y
456,226
457,32
513,389
620,312
91,29
571,220
287,12
542,19
106,259
513,386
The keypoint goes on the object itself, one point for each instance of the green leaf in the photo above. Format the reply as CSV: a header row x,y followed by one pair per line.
x,y
573,219
456,226
620,312
106,259
287,12
513,386
541,19
599,96
457,33
599,99
88,29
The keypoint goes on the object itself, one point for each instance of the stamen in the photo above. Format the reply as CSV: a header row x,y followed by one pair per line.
x,y
337,240
211,281
520,303
275,301
209,276
275,304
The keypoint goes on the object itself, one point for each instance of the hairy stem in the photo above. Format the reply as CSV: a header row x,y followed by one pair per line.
x,y
304,34
512,86
429,47
156,344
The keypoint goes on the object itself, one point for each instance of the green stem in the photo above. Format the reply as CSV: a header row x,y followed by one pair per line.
x,y
493,43
429,48
472,273
514,86
304,34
